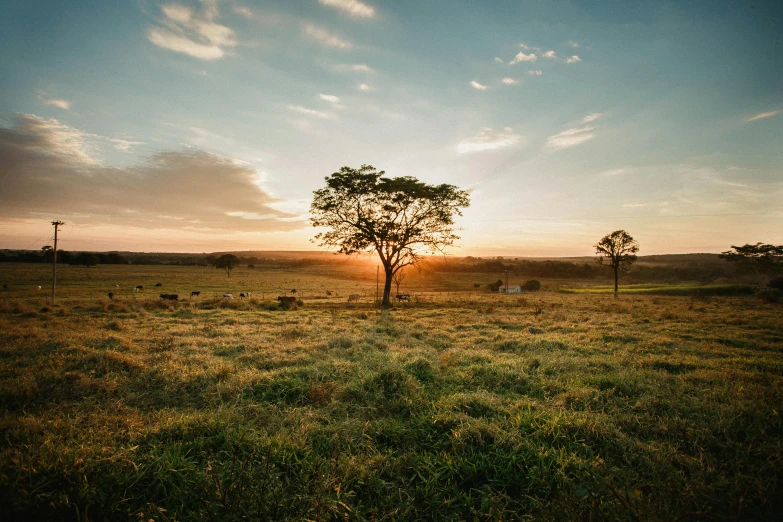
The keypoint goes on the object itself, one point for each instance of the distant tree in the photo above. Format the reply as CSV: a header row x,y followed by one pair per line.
x,y
532,285
760,259
494,287
619,249
227,262
397,218
85,259
47,253
398,277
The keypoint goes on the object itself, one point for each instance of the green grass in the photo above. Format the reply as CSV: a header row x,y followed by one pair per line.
x,y
456,406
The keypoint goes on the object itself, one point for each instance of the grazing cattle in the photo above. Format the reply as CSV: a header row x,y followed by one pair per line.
x,y
195,293
39,287
138,288
111,296
169,297
5,287
228,296
244,294
116,286
293,291
286,299
403,297
158,285
353,297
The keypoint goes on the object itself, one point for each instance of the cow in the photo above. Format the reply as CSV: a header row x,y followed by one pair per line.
x,y
116,286
403,297
5,287
228,296
244,294
111,296
198,293
293,290
169,297
39,287
286,299
158,285
138,288
353,297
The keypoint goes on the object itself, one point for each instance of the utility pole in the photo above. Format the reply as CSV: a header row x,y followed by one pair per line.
x,y
506,282
54,258
377,275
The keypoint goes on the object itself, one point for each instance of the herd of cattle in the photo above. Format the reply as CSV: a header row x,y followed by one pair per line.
x,y
284,299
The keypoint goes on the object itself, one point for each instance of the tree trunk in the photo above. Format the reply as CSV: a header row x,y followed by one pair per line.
x,y
616,276
386,303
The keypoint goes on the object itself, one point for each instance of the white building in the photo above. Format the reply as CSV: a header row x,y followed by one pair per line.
x,y
510,289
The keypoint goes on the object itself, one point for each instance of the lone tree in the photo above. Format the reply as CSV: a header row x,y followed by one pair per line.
x,y
398,218
759,259
619,249
227,262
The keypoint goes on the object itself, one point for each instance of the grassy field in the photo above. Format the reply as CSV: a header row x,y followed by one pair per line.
x,y
457,406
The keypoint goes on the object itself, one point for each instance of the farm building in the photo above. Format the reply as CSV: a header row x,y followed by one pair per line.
x,y
510,289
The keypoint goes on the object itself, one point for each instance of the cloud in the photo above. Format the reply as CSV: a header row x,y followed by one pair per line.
x,y
356,67
195,34
498,60
124,145
325,37
364,87
573,44
615,172
762,115
522,57
476,85
329,98
312,112
487,139
524,46
592,117
574,59
635,205
549,54
535,72
352,8
44,170
62,104
571,137
510,81
243,11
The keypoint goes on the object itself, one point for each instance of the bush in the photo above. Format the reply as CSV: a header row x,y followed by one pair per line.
x,y
532,285
776,283
769,295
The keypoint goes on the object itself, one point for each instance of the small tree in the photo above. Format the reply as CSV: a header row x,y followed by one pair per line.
x,y
760,259
227,262
619,248
397,218
398,277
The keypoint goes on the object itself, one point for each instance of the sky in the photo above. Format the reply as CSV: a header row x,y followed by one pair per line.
x,y
201,126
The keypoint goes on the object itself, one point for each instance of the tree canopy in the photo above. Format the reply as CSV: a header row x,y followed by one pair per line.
x,y
227,262
759,259
619,249
397,218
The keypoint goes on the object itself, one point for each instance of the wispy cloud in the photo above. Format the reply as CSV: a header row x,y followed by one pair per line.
x,y
312,112
476,85
354,67
592,117
522,57
574,59
487,140
762,115
193,33
535,72
325,37
573,44
635,205
499,60
243,11
571,137
353,8
549,54
124,145
510,81
59,103
364,87
615,172
329,98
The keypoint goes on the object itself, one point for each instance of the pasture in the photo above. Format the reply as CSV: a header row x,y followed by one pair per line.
x,y
458,405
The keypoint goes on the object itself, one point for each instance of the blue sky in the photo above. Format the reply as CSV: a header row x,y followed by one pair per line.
x,y
206,125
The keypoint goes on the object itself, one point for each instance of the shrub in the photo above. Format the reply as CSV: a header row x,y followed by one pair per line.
x,y
776,283
532,285
769,295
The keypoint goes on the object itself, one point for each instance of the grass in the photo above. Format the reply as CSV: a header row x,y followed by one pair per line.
x,y
456,406
683,289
